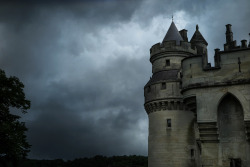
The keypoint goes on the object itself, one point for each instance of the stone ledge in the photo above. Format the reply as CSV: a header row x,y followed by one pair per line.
x,y
216,84
208,132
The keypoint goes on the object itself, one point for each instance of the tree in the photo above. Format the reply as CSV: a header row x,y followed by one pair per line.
x,y
13,144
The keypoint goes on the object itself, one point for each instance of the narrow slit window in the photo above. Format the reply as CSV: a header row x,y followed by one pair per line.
x,y
239,62
167,62
169,123
163,85
192,153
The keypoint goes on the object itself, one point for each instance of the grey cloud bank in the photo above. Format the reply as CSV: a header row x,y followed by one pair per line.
x,y
84,65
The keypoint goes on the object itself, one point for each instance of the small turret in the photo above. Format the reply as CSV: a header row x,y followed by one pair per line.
x,y
198,38
200,43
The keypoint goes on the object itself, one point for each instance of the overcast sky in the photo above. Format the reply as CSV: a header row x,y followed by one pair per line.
x,y
84,64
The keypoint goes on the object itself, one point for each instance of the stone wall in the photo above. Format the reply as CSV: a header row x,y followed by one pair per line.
x,y
222,104
171,146
227,73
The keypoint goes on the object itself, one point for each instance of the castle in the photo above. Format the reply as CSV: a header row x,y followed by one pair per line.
x,y
199,115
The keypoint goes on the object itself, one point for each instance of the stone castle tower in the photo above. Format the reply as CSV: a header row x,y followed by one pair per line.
x,y
199,115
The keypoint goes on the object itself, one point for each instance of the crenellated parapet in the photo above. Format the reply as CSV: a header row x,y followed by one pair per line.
x,y
231,68
171,46
164,105
168,55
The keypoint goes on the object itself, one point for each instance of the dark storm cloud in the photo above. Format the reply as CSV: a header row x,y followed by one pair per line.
x,y
89,112
90,117
84,64
211,15
97,11
34,29
216,15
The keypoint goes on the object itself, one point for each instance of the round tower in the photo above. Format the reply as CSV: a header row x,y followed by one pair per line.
x,y
171,140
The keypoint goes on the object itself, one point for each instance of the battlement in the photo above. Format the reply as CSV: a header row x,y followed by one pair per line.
x,y
168,46
231,68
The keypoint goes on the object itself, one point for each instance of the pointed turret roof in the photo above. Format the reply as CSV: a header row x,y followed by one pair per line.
x,y
173,34
197,37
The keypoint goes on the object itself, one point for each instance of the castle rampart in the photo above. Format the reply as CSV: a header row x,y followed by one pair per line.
x,y
233,69
198,115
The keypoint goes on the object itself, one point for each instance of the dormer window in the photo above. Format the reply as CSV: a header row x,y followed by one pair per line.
x,y
167,62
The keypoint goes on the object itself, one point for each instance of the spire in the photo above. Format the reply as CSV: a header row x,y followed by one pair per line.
x,y
173,34
197,37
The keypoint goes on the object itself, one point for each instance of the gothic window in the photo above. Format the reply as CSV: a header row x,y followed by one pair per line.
x,y
231,127
167,62
231,120
169,124
163,85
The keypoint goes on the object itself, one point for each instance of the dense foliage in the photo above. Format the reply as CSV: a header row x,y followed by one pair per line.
x,y
97,161
13,144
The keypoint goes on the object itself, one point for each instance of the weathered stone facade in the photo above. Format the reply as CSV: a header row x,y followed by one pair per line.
x,y
199,115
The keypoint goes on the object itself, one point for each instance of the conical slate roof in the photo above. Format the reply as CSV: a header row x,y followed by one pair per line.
x,y
197,37
173,34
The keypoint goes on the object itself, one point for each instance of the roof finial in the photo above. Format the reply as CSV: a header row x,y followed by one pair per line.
x,y
197,27
172,17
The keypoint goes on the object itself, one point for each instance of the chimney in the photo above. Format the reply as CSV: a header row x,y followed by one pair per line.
x,y
216,51
184,35
229,34
217,57
244,43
